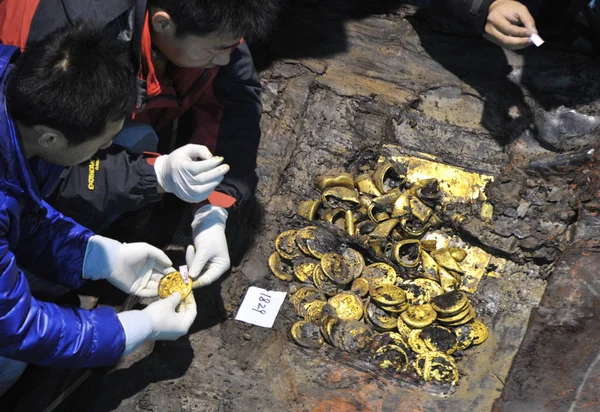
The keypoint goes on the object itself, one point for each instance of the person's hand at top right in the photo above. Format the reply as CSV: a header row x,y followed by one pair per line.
x,y
509,25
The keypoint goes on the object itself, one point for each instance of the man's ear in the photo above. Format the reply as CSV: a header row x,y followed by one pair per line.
x,y
162,23
48,138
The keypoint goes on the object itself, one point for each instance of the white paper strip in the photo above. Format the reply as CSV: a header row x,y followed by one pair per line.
x,y
537,40
260,307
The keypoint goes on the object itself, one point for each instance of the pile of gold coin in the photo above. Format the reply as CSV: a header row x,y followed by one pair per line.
x,y
408,322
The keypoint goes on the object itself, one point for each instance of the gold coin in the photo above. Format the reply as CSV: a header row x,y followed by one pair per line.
x,y
419,316
314,311
440,339
416,343
433,288
280,268
171,283
380,319
354,336
347,305
389,338
403,329
285,244
307,334
450,303
388,295
343,268
436,366
302,235
360,287
415,294
325,284
456,317
470,316
465,336
391,357
400,307
379,274
303,292
327,326
480,332
322,242
304,269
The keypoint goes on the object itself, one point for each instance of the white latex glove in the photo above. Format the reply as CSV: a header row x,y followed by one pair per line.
x,y
164,319
210,246
188,178
135,268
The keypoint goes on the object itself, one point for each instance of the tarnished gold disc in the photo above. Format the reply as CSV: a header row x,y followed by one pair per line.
x,y
416,343
449,304
392,357
403,329
314,311
480,332
279,268
286,246
347,305
353,336
304,269
456,317
380,319
419,316
325,284
307,334
465,336
360,287
440,339
173,282
388,295
302,235
343,268
379,274
470,316
436,366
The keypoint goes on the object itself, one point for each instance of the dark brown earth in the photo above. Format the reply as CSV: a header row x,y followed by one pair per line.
x,y
341,85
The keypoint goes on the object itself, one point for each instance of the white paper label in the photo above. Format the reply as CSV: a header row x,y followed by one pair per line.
x,y
260,307
537,40
184,273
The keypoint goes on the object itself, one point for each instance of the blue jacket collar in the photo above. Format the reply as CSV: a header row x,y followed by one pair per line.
x,y
14,169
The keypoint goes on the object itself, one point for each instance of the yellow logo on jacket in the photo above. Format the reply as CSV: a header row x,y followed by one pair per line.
x,y
94,165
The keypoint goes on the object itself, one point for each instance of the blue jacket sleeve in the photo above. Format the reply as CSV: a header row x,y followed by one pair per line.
x,y
237,89
52,246
46,334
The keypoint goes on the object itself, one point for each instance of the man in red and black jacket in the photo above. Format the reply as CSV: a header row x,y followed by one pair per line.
x,y
195,69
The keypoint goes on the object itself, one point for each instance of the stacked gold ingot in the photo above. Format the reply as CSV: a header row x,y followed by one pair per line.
x,y
413,324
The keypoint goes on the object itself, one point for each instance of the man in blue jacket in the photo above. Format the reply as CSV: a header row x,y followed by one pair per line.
x,y
61,101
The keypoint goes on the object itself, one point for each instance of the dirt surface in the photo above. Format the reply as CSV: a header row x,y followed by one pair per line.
x,y
339,84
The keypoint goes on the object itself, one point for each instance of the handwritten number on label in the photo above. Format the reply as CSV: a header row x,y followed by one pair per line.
x,y
261,307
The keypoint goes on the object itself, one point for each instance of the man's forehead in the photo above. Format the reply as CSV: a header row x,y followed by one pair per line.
x,y
218,41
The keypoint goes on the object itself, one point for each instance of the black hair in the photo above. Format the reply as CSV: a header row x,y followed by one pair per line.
x,y
251,19
76,80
